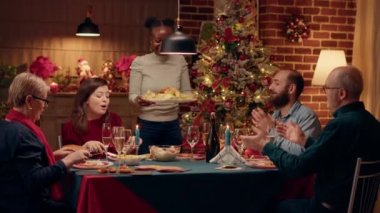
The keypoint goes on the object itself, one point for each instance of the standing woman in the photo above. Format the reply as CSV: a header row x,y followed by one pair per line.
x,y
29,169
159,123
89,113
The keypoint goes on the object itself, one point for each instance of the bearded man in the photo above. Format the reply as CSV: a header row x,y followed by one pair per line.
x,y
285,89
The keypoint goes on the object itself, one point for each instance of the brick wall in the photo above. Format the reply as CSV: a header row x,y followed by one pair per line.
x,y
332,27
193,12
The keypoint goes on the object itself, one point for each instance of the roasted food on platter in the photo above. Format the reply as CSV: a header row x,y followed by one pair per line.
x,y
125,169
168,93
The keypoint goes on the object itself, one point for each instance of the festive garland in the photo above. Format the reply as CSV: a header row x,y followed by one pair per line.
x,y
296,29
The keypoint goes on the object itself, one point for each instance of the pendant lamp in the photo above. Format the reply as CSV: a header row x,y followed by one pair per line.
x,y
178,43
88,28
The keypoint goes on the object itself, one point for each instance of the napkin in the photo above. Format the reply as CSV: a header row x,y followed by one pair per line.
x,y
228,156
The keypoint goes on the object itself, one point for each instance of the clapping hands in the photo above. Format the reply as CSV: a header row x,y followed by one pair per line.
x,y
256,141
262,119
291,132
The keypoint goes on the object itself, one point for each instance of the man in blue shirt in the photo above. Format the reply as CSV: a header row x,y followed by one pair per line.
x,y
285,89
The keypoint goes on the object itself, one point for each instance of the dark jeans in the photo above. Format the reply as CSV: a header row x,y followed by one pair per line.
x,y
159,133
305,206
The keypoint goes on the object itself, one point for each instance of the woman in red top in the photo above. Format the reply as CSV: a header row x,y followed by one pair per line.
x,y
89,113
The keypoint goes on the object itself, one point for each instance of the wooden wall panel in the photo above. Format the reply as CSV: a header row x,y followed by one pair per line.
x,y
45,27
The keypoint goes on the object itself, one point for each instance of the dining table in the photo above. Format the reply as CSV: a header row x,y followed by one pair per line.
x,y
202,187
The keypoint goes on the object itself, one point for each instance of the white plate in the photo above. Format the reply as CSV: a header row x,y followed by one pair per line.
x,y
172,101
229,168
260,163
93,164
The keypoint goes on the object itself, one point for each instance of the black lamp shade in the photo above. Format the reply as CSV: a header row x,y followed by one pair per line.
x,y
88,28
178,44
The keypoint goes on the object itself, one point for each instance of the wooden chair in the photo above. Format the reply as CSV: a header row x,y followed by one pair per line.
x,y
365,186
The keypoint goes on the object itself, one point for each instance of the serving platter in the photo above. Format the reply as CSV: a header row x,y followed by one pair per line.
x,y
93,164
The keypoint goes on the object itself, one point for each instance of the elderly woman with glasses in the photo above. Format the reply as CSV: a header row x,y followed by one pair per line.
x,y
29,169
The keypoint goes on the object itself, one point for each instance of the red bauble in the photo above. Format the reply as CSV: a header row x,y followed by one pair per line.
x,y
251,86
194,73
228,103
241,19
224,69
242,57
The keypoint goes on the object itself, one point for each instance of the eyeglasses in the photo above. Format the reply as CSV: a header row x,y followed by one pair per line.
x,y
324,88
41,99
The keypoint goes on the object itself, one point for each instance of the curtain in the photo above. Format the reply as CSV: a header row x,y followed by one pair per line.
x,y
366,52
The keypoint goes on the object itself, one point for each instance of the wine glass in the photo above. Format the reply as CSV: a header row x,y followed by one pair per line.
x,y
118,133
272,132
238,142
128,146
192,137
106,135
205,130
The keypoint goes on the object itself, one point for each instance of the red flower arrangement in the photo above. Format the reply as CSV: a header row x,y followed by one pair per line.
x,y
123,65
43,67
296,29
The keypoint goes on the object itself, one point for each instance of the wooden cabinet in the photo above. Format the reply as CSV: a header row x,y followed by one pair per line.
x,y
60,107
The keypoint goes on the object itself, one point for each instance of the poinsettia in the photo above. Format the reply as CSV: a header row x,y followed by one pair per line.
x,y
43,67
123,65
229,36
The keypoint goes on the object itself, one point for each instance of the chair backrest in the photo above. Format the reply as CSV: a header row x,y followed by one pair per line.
x,y
365,186
59,141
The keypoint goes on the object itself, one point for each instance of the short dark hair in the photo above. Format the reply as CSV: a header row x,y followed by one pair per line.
x,y
152,22
296,78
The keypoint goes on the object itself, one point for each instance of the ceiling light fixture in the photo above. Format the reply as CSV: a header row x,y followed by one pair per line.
x,y
88,28
178,43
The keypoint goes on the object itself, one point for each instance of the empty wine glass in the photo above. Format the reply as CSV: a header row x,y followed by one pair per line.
x,y
238,142
272,132
192,137
128,146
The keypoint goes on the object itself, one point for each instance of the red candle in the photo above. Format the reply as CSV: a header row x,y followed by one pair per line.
x,y
54,87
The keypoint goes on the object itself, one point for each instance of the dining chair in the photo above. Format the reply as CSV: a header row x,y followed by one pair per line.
x,y
365,186
59,141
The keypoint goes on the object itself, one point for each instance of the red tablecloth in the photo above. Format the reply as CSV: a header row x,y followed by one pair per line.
x,y
101,199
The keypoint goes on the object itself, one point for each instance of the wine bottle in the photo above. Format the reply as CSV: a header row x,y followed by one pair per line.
x,y
212,145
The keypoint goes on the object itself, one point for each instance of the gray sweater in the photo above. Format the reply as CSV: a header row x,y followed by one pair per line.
x,y
154,72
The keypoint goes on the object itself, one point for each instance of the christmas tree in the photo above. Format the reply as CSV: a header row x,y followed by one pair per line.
x,y
233,71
